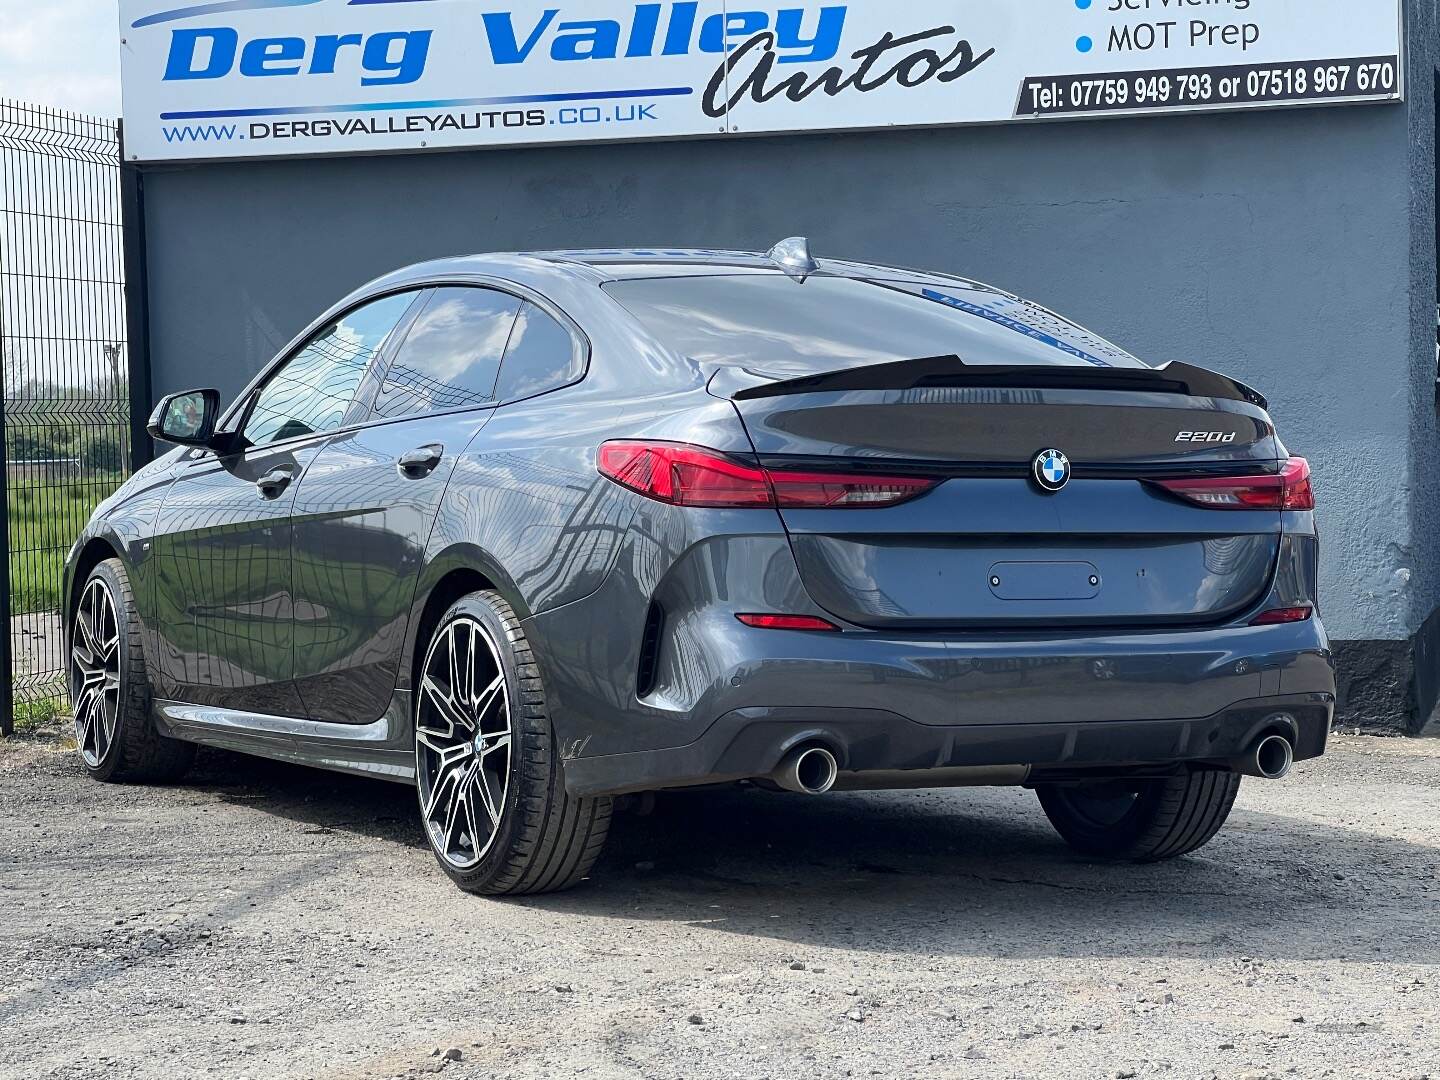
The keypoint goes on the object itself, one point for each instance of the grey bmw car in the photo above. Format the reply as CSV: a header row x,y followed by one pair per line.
x,y
533,531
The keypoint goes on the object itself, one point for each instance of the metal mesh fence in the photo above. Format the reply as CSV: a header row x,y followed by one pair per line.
x,y
64,409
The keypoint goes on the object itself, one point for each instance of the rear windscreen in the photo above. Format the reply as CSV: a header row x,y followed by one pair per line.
x,y
773,324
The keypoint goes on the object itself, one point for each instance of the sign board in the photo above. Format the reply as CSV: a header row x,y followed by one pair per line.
x,y
255,78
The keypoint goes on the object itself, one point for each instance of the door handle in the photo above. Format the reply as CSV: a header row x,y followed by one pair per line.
x,y
275,481
421,461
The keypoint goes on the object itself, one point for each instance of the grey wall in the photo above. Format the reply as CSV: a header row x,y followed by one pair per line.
x,y
1423,46
1279,247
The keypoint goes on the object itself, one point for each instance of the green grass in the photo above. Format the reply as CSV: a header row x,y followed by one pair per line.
x,y
31,716
43,522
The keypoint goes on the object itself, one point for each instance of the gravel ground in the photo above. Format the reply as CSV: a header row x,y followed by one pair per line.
x,y
267,921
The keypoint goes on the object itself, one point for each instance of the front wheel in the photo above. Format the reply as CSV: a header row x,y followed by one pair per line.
x,y
492,794
1142,820
110,687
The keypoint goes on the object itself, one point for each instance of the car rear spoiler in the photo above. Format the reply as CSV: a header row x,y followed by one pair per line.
x,y
741,384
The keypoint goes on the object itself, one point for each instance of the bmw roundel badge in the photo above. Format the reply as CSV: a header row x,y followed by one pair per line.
x,y
1051,469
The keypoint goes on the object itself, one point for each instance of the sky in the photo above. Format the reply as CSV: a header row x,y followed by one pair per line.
x,y
64,53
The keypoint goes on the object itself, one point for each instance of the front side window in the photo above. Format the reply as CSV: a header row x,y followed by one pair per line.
x,y
314,389
451,355
543,356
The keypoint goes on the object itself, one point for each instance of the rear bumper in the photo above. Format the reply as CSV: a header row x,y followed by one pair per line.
x,y
749,743
1086,704
720,701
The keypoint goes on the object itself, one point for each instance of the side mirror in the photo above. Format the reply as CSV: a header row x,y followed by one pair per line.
x,y
188,418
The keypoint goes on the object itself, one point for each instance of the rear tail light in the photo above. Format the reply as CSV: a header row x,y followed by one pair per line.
x,y
1289,489
1278,616
788,622
694,476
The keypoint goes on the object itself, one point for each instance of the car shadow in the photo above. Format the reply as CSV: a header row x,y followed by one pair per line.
x,y
315,799
981,873
972,872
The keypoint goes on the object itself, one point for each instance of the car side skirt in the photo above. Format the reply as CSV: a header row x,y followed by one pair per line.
x,y
381,749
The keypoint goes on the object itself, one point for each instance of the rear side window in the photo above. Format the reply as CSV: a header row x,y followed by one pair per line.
x,y
543,356
775,325
451,357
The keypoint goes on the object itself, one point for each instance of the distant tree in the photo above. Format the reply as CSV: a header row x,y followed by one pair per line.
x,y
115,358
34,444
9,366
103,454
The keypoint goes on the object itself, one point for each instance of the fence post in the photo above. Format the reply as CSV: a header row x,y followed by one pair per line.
x,y
137,303
7,668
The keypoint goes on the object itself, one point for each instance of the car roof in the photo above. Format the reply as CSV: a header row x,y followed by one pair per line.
x,y
621,263
570,277
618,264
601,265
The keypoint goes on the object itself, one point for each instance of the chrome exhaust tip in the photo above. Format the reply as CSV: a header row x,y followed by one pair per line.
x,y
1271,758
808,770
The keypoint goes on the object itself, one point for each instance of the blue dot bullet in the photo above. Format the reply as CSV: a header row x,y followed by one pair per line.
x,y
1083,5
1084,44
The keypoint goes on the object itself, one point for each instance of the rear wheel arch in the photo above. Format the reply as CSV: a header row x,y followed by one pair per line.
x,y
452,575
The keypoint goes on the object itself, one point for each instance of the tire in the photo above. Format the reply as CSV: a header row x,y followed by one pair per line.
x,y
115,734
1146,820
483,743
